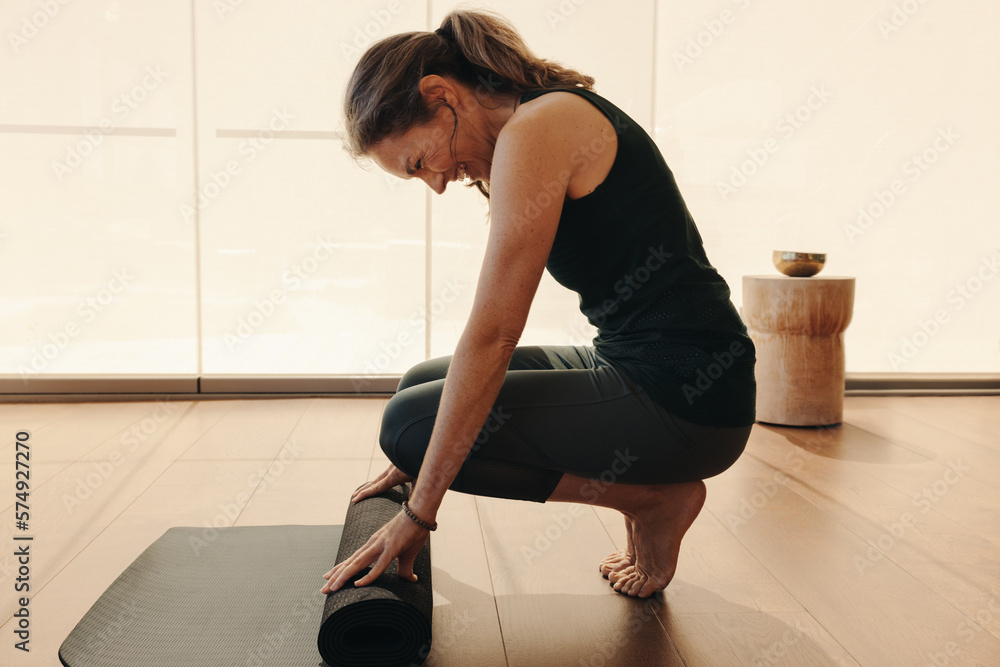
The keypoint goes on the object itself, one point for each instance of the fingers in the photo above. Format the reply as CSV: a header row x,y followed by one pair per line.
x,y
409,554
336,577
376,552
399,477
350,566
378,567
361,492
369,484
405,568
389,478
331,578
399,538
366,487
372,488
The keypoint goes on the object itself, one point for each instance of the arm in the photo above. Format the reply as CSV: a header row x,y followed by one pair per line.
x,y
525,166
531,171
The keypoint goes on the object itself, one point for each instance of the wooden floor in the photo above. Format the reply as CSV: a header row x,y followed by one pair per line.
x,y
876,543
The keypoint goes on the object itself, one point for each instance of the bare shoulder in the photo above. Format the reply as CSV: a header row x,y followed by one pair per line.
x,y
561,105
574,133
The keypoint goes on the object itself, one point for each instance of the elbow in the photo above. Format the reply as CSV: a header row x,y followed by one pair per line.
x,y
500,342
506,342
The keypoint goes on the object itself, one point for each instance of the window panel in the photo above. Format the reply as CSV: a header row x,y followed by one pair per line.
x,y
830,128
98,275
789,126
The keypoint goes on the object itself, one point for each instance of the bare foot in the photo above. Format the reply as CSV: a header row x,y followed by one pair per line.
x,y
619,560
659,523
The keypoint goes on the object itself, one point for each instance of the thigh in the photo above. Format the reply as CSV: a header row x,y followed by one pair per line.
x,y
598,423
529,357
566,410
408,419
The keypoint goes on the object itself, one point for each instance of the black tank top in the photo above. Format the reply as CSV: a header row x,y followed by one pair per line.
x,y
631,250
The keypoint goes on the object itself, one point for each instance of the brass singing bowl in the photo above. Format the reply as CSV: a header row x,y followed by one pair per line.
x,y
798,264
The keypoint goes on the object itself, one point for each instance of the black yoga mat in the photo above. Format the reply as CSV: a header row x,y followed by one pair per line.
x,y
249,597
387,622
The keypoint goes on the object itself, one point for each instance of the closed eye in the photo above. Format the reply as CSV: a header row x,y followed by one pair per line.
x,y
416,167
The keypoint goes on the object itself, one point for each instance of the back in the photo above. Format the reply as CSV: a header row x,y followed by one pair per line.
x,y
632,252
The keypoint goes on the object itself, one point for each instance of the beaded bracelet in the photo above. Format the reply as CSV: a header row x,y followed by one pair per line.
x,y
417,520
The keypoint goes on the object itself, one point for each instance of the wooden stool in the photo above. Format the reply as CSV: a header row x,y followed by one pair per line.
x,y
797,326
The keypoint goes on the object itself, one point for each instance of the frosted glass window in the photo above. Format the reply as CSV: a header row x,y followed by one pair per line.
x,y
95,150
174,200
866,132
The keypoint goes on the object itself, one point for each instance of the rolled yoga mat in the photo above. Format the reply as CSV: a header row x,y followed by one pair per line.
x,y
249,596
387,622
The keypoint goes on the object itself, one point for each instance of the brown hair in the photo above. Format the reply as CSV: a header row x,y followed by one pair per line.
x,y
478,48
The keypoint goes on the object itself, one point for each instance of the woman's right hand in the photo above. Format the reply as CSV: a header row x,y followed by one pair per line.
x,y
391,477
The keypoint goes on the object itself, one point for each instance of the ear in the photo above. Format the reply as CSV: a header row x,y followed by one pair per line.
x,y
435,88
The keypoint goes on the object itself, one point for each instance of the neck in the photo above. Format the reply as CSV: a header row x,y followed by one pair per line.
x,y
495,112
485,117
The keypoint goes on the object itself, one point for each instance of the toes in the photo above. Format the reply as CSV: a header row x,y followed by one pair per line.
x,y
645,590
623,578
606,567
627,586
635,583
615,575
650,586
617,578
614,563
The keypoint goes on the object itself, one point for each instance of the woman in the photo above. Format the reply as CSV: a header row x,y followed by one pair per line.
x,y
665,396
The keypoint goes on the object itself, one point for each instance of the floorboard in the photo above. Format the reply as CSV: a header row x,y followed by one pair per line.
x,y
554,606
887,619
874,543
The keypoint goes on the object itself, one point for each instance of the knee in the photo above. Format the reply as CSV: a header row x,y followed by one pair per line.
x,y
425,371
391,430
405,433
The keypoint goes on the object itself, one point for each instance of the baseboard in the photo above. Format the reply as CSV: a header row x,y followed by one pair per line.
x,y
922,384
55,388
76,388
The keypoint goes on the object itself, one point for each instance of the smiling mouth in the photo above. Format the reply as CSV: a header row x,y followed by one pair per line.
x,y
461,172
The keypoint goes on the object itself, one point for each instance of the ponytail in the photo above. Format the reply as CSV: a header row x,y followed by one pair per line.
x,y
500,60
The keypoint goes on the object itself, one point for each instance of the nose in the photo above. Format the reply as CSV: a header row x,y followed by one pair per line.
x,y
435,180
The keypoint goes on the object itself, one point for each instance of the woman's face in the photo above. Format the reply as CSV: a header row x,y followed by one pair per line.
x,y
424,152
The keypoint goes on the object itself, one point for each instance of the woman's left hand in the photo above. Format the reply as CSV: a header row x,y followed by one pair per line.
x,y
400,538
